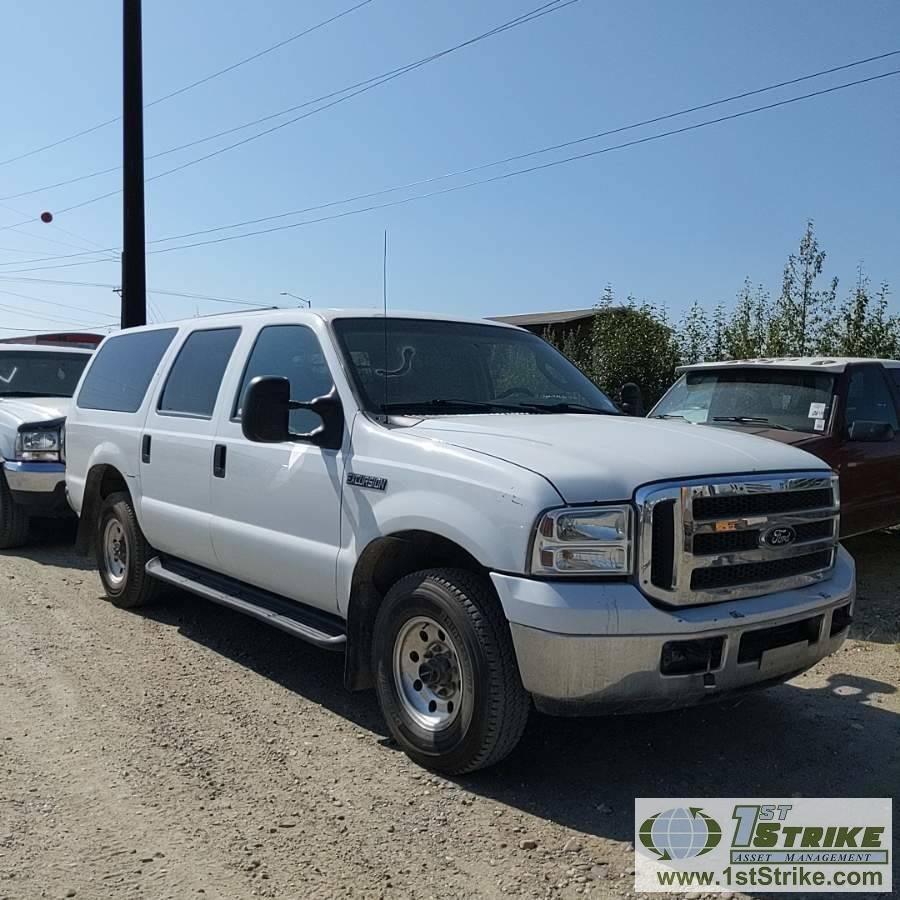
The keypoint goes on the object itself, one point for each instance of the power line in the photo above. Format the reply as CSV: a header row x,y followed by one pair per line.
x,y
514,158
542,166
61,305
45,331
370,84
111,286
31,315
190,86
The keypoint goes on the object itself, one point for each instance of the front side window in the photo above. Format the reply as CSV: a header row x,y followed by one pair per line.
x,y
122,369
292,352
791,399
196,375
895,375
39,374
452,368
869,399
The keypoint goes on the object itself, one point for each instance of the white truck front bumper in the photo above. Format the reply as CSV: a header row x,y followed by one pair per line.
x,y
586,648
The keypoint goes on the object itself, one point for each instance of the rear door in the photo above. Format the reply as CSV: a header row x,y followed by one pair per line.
x,y
177,447
869,470
276,507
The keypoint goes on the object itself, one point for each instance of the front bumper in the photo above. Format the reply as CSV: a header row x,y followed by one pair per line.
x,y
588,648
39,487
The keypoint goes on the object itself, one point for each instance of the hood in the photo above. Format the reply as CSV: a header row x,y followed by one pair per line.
x,y
15,411
602,458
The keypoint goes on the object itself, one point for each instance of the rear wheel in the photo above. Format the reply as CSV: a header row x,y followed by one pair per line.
x,y
13,519
446,672
122,554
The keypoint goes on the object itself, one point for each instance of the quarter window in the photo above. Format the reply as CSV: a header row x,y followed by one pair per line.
x,y
196,374
292,352
122,369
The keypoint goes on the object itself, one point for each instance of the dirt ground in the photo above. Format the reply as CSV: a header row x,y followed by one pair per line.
x,y
187,751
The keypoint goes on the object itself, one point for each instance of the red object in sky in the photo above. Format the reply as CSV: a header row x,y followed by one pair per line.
x,y
47,217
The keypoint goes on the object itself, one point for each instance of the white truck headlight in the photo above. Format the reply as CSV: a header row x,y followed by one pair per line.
x,y
593,540
39,444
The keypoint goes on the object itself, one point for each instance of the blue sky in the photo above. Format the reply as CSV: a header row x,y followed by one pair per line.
x,y
672,221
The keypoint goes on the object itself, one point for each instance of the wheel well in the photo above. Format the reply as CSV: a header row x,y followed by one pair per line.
x,y
102,481
384,562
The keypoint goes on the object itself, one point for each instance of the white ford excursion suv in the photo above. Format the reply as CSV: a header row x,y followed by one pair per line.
x,y
36,387
459,510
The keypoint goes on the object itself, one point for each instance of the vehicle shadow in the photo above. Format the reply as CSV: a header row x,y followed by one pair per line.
x,y
831,740
877,615
51,542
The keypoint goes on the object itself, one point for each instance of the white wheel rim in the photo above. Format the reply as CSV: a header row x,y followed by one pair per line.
x,y
115,552
427,674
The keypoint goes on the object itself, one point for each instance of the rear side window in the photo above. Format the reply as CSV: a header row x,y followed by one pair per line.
x,y
293,352
895,375
122,370
196,374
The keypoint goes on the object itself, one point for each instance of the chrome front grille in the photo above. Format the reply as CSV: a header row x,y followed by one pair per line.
x,y
711,540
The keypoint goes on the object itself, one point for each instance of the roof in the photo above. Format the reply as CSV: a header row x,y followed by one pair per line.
x,y
818,363
44,348
560,317
306,315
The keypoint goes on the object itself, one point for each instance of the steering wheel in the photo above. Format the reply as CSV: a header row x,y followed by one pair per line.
x,y
512,392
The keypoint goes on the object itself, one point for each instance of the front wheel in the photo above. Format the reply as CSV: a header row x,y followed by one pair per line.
x,y
13,519
446,672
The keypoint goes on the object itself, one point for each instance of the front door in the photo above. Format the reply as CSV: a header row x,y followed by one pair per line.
x,y
276,507
869,470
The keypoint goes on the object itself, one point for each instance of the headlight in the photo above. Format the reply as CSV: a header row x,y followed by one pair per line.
x,y
593,540
39,445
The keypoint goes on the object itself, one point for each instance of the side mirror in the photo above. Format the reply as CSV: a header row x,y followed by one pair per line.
x,y
865,430
330,434
266,412
632,401
265,418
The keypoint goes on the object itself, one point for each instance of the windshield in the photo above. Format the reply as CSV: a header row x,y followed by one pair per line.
x,y
776,398
456,368
24,374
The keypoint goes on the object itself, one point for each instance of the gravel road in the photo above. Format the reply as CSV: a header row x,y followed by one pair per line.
x,y
186,751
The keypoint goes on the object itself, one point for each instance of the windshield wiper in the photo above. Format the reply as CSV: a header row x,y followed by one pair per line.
x,y
440,404
566,407
753,420
667,416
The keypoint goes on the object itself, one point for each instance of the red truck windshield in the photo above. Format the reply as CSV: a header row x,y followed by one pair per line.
x,y
777,398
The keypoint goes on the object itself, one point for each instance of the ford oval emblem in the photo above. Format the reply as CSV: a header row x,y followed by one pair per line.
x,y
780,536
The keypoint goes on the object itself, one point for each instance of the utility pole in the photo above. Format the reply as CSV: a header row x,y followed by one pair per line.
x,y
134,273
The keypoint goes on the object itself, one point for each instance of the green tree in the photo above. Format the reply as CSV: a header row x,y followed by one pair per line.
x,y
863,325
634,342
747,331
803,309
695,335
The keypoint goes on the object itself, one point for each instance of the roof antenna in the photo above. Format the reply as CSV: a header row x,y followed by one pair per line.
x,y
384,364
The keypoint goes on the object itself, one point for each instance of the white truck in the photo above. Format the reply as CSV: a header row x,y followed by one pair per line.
x,y
36,387
453,505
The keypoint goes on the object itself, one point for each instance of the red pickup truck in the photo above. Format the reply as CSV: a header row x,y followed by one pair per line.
x,y
845,411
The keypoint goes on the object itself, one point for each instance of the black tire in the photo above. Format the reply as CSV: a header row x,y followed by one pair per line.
x,y
13,519
495,706
134,587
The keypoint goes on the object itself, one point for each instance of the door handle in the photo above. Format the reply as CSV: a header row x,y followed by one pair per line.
x,y
219,460
145,448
